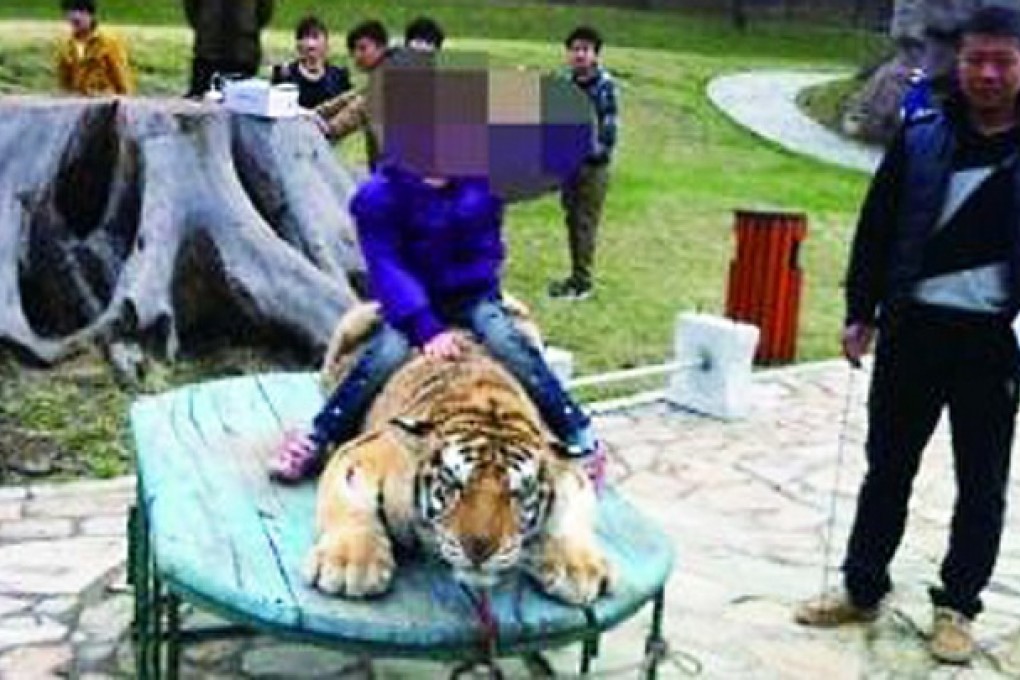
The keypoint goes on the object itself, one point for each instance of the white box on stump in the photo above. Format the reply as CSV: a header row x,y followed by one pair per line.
x,y
714,373
258,98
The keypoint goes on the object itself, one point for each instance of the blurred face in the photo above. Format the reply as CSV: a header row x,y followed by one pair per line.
x,y
522,131
581,55
988,68
367,53
80,22
313,47
421,45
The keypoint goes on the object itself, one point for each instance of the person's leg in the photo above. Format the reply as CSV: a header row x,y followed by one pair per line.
x,y
342,414
570,197
201,76
905,401
495,328
982,413
241,69
591,196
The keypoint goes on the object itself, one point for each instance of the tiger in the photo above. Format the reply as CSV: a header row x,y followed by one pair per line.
x,y
453,459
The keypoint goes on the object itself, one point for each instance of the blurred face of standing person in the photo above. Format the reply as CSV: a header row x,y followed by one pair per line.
x,y
988,69
424,35
313,48
582,55
81,22
421,45
367,53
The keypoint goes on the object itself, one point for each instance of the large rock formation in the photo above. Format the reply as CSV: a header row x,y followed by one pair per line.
x,y
924,32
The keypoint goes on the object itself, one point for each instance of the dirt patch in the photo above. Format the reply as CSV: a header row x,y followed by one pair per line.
x,y
71,421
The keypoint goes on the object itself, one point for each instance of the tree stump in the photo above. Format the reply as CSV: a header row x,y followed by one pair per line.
x,y
168,223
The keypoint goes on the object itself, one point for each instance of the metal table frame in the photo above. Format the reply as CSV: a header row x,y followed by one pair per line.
x,y
159,635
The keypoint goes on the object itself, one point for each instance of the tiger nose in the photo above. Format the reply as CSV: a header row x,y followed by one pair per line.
x,y
478,548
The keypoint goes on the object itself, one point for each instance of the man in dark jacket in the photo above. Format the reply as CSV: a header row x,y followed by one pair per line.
x,y
935,268
226,38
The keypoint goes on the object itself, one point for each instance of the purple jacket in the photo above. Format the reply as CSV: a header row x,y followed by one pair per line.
x,y
427,248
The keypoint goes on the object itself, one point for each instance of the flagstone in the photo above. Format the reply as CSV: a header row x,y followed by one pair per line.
x,y
44,567
36,662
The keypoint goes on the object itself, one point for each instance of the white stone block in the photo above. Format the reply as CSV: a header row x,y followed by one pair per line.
x,y
715,357
561,361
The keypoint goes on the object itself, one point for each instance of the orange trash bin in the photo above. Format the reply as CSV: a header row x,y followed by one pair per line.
x,y
765,280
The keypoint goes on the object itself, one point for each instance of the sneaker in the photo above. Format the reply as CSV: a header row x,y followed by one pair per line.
x,y
570,289
297,457
832,609
951,639
593,462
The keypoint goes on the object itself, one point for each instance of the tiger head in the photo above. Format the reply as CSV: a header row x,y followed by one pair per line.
x,y
481,496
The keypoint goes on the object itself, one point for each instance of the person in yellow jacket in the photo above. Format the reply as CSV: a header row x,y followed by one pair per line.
x,y
91,61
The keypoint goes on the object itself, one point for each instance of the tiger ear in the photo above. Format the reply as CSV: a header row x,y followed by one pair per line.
x,y
413,425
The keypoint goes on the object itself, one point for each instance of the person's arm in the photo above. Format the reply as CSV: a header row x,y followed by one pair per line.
x,y
330,107
62,60
869,255
118,67
264,13
402,298
343,115
608,120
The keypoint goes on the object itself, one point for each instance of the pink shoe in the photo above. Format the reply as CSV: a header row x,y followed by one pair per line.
x,y
595,464
296,459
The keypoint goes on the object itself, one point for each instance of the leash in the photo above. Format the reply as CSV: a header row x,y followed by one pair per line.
x,y
659,654
830,524
488,627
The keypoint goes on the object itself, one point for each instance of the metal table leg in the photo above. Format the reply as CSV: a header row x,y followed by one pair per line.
x,y
655,646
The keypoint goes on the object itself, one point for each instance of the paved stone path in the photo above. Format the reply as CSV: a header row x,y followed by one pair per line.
x,y
746,503
766,103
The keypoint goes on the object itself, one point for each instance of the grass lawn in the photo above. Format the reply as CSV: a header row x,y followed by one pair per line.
x,y
827,102
667,234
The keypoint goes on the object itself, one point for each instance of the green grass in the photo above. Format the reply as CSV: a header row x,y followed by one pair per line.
x,y
519,20
827,102
666,239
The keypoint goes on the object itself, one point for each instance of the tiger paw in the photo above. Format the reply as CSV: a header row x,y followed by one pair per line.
x,y
350,564
574,571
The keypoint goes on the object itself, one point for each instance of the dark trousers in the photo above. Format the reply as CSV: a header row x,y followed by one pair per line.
x,y
928,359
582,198
202,71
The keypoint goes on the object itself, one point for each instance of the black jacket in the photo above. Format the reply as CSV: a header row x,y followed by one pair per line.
x,y
901,209
228,30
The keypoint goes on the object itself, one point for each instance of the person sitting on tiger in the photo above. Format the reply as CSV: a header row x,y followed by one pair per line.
x,y
430,226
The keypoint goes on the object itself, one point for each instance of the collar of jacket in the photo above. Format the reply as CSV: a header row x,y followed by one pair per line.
x,y
598,74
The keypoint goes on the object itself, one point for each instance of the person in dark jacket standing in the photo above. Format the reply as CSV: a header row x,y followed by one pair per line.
x,y
584,194
935,268
227,38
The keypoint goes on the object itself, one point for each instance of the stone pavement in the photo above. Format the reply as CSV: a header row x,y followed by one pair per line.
x,y
746,503
765,102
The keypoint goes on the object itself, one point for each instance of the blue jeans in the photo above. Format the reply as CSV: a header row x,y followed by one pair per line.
x,y
488,319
